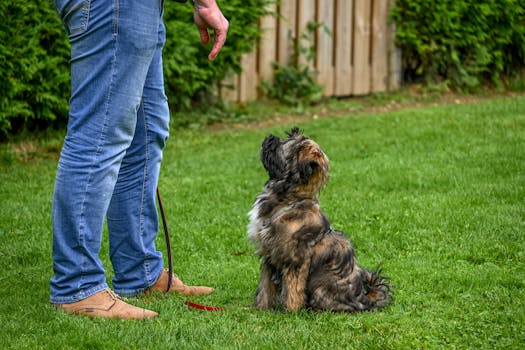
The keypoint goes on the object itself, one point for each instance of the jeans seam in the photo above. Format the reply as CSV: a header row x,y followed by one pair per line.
x,y
144,186
116,14
100,141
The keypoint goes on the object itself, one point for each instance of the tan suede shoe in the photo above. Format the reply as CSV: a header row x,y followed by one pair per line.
x,y
106,304
177,286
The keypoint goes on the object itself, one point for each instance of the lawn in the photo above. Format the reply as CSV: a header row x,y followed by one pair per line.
x,y
435,195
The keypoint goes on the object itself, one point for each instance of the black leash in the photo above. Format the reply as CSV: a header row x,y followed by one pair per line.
x,y
165,225
170,264
167,236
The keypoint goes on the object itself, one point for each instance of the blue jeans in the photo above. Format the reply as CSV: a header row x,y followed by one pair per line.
x,y
110,161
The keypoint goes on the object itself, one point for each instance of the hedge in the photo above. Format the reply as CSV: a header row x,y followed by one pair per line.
x,y
34,80
34,55
461,42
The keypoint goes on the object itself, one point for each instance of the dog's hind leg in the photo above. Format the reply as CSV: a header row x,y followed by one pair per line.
x,y
266,293
340,296
378,290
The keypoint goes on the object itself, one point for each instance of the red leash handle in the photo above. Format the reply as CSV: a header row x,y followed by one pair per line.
x,y
203,307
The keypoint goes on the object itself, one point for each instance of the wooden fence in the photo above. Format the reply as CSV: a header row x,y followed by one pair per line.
x,y
356,57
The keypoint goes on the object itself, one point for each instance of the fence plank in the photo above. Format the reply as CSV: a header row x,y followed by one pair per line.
x,y
394,56
306,13
379,46
286,30
324,47
248,78
229,87
267,46
343,47
361,47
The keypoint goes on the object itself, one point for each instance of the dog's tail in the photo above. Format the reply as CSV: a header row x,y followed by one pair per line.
x,y
378,291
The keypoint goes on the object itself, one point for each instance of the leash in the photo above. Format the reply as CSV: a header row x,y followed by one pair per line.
x,y
168,243
170,261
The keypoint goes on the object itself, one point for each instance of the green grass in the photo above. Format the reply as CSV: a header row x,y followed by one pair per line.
x,y
435,195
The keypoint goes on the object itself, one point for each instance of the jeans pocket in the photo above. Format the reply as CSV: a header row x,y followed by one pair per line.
x,y
74,15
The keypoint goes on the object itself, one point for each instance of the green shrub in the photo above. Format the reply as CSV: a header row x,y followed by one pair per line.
x,y
294,83
34,77
463,42
34,55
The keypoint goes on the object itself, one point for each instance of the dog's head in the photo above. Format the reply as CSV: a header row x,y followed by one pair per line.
x,y
295,163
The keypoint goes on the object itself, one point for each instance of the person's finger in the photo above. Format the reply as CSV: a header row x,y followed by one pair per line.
x,y
218,43
202,27
205,36
219,39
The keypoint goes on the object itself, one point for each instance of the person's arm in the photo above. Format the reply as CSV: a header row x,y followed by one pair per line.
x,y
207,15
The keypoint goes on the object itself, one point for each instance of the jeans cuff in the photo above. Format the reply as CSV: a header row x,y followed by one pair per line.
x,y
79,296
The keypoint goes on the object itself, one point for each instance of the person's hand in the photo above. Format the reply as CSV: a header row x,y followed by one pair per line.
x,y
207,15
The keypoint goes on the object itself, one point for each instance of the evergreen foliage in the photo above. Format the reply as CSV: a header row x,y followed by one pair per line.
x,y
34,55
34,73
461,42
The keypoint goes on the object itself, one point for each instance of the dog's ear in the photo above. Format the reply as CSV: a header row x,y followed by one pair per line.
x,y
271,157
306,170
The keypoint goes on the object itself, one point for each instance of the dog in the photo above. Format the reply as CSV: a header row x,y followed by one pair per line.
x,y
305,263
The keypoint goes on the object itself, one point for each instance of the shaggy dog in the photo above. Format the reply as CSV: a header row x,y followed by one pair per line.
x,y
304,261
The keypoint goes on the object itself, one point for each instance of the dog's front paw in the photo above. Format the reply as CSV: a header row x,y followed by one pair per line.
x,y
293,302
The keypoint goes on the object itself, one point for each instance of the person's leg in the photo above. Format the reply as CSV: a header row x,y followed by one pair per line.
x,y
132,216
112,45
